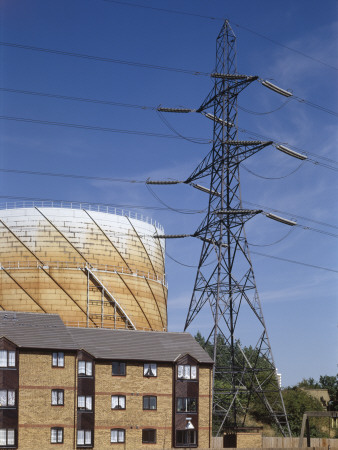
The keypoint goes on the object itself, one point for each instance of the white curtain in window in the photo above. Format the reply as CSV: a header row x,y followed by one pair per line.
x,y
3,398
82,368
60,397
89,369
122,402
11,359
11,398
53,436
54,398
113,435
10,437
60,435
180,372
3,358
186,372
153,368
121,436
89,403
61,358
81,403
80,437
3,436
55,359
88,437
114,401
193,372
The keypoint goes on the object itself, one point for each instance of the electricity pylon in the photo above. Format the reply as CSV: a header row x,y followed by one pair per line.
x,y
241,375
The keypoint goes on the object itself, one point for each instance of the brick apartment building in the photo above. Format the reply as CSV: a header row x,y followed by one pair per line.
x,y
97,388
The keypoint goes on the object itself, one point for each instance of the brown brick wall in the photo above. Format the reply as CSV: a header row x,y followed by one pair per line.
x,y
37,416
134,385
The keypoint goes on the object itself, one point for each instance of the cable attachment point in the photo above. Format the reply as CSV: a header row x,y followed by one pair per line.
x,y
175,110
163,182
290,152
275,88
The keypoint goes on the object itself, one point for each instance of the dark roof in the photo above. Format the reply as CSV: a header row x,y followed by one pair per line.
x,y
138,345
36,330
47,331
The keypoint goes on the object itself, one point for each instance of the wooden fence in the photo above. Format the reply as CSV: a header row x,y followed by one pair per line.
x,y
280,443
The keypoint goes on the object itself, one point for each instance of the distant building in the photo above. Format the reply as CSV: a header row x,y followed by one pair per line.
x,y
279,378
98,388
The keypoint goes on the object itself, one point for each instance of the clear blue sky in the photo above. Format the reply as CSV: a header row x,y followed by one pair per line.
x,y
299,302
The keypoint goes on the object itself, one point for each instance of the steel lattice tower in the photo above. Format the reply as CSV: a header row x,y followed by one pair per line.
x,y
227,284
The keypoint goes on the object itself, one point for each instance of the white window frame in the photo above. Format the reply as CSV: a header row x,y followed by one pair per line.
x,y
120,435
7,358
7,437
56,435
59,395
84,437
86,368
86,401
119,402
58,359
186,372
150,370
8,396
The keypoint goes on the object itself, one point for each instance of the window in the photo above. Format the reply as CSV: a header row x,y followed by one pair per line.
x,y
7,398
7,358
117,435
149,402
148,436
85,402
56,435
57,397
186,437
150,370
118,368
84,437
186,372
118,402
85,368
7,437
186,404
58,359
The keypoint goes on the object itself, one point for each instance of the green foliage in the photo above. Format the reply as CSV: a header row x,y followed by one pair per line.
x,y
297,401
325,382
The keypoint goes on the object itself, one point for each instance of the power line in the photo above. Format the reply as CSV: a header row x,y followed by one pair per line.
x,y
97,128
185,13
290,214
130,180
77,99
102,59
67,175
112,205
295,262
128,105
272,178
143,133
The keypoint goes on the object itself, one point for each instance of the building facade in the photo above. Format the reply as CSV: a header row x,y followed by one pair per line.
x,y
100,388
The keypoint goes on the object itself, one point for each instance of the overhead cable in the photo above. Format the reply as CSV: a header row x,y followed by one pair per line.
x,y
295,262
69,175
96,128
77,99
128,105
272,178
181,211
186,13
102,59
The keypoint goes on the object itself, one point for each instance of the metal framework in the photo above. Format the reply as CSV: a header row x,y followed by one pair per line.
x,y
242,375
